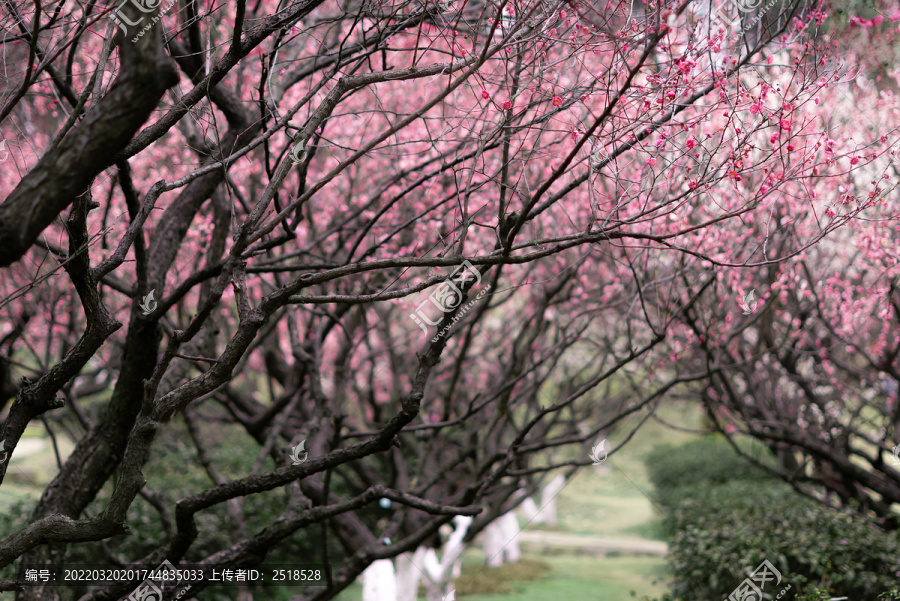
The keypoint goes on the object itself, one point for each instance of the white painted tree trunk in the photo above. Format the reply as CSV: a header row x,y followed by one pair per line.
x,y
501,541
437,586
492,542
408,574
439,582
454,548
435,592
548,499
457,569
379,583
509,527
435,589
530,511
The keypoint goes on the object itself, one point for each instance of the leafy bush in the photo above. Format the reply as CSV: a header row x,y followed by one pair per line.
x,y
677,472
724,525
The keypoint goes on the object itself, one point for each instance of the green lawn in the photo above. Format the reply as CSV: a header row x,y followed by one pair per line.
x,y
586,578
618,503
29,471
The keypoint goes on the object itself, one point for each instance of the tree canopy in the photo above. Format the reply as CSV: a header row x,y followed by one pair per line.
x,y
444,246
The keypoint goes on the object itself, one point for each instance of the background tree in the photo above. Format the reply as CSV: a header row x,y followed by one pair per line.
x,y
811,367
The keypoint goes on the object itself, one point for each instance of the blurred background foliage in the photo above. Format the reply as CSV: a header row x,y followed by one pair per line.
x,y
724,516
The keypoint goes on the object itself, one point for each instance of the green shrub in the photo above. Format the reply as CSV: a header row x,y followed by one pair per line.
x,y
677,471
723,525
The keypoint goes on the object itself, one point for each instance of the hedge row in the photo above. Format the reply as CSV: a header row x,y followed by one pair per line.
x,y
725,516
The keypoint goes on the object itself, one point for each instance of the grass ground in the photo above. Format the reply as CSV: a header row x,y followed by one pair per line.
x,y
31,467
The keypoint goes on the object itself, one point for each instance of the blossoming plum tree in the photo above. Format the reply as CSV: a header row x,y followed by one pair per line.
x,y
811,369
290,180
